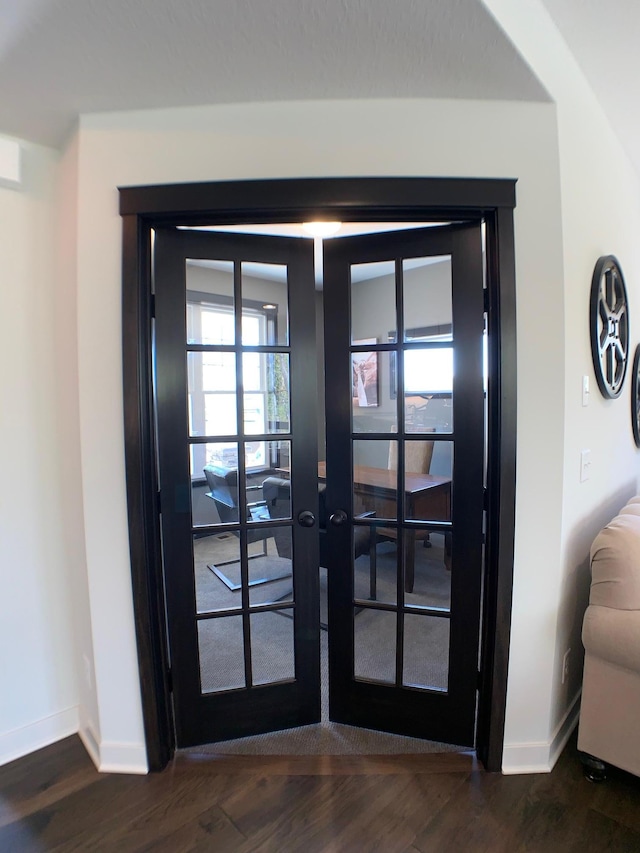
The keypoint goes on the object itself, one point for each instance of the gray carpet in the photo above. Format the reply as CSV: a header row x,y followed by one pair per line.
x,y
220,640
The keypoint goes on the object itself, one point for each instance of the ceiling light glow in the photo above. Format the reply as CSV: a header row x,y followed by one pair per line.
x,y
321,229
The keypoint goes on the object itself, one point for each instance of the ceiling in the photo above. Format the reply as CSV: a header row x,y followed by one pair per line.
x,y
60,58
603,37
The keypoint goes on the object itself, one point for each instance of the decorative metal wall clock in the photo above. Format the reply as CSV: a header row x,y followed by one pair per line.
x,y
609,319
635,397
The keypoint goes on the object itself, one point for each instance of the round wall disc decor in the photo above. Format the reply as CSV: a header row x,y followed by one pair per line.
x,y
635,397
609,318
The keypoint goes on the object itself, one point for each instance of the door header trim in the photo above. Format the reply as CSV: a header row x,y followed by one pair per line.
x,y
292,198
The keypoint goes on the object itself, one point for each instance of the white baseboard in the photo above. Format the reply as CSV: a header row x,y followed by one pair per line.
x,y
108,757
564,729
123,758
111,757
541,756
89,738
48,730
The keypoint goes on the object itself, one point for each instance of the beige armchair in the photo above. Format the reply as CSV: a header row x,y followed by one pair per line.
x,y
609,729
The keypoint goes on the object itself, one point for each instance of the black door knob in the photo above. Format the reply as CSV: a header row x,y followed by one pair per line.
x,y
338,518
306,518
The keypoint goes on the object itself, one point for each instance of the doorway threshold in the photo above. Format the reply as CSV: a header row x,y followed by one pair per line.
x,y
327,765
325,738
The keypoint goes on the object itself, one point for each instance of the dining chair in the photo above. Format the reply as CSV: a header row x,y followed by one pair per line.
x,y
277,493
417,460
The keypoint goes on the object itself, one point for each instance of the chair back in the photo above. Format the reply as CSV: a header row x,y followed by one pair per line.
x,y
223,488
417,456
276,491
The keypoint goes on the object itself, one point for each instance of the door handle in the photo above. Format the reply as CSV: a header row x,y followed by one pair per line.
x,y
338,518
306,518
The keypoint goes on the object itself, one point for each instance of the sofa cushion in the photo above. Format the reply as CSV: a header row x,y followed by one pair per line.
x,y
615,561
613,636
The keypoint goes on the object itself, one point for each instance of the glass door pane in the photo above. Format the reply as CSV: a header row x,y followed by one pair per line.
x,y
405,310
237,464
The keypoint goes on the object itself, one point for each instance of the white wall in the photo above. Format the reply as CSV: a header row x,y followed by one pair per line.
x,y
600,215
66,346
456,138
39,690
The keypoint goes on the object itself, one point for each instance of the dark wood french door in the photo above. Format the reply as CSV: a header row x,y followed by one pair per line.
x,y
235,391
235,396
405,406
148,209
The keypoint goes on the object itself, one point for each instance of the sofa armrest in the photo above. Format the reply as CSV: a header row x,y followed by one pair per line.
x,y
613,635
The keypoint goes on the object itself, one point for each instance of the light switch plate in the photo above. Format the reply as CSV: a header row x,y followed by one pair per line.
x,y
585,465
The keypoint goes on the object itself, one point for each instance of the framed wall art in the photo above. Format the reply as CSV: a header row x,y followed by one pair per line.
x,y
365,375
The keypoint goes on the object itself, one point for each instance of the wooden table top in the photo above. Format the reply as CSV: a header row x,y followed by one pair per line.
x,y
387,480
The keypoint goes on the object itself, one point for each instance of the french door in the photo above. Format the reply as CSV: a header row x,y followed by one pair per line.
x,y
235,390
147,210
404,321
235,397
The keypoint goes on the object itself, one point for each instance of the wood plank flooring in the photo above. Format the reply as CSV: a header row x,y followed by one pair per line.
x,y
56,800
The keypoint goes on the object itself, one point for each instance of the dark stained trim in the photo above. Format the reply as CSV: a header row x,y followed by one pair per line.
x,y
348,199
379,198
142,490
501,485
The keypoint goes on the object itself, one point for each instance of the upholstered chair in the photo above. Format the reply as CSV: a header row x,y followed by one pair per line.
x,y
609,729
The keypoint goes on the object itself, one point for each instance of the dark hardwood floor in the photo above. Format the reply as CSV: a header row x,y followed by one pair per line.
x,y
55,800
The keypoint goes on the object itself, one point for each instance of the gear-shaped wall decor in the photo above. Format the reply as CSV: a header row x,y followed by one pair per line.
x,y
609,317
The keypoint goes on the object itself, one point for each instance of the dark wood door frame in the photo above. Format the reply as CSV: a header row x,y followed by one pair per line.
x,y
298,200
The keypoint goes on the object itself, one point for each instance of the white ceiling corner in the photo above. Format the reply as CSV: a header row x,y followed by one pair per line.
x,y
603,37
61,58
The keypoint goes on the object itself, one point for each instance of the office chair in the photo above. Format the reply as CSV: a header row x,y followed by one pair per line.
x,y
277,494
223,490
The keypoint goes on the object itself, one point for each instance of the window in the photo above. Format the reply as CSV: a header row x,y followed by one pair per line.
x,y
428,371
212,380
